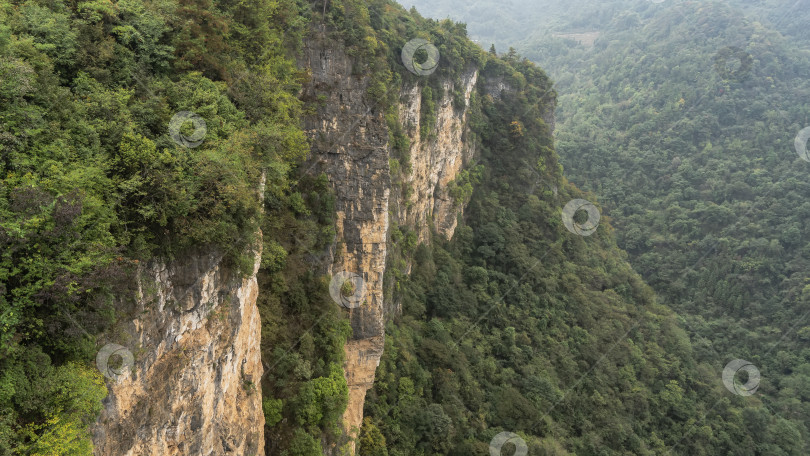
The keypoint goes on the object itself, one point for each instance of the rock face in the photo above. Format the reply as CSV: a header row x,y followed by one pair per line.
x,y
194,385
436,161
351,146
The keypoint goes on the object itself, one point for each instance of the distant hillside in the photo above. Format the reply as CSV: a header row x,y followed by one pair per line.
x,y
519,23
682,119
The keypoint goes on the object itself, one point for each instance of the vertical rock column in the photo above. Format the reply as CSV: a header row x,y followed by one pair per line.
x,y
350,145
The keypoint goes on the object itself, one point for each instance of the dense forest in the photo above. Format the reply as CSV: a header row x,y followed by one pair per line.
x,y
519,324
683,118
688,138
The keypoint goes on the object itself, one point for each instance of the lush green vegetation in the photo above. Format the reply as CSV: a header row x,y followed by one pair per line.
x,y
696,168
91,183
701,178
519,325
515,324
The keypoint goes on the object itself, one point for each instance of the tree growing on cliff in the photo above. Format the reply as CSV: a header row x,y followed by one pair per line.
x,y
372,441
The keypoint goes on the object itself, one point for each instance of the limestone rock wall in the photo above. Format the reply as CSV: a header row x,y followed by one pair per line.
x,y
194,386
436,161
350,144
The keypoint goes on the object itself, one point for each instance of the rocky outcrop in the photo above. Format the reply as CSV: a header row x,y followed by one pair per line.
x,y
350,141
350,145
194,385
437,160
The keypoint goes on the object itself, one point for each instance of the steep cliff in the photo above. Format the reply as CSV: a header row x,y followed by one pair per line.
x,y
351,146
195,384
193,387
123,234
437,159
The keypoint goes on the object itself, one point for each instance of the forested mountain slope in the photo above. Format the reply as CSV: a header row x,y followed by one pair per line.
x,y
699,167
696,156
529,320
683,118
518,325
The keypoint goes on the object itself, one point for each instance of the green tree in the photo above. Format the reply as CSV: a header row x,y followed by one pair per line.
x,y
372,441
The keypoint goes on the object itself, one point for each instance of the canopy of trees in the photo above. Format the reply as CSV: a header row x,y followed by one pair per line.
x,y
681,119
516,324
